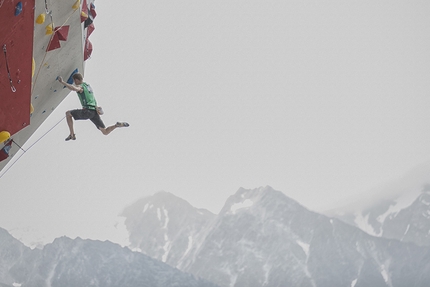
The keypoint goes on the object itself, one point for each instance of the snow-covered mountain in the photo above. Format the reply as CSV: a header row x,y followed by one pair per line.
x,y
405,217
398,210
164,226
263,238
77,262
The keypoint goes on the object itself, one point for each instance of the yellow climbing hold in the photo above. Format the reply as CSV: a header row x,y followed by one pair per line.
x,y
4,136
83,14
31,109
76,5
33,67
40,19
49,29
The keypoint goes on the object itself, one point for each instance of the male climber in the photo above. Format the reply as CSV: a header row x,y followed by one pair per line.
x,y
89,110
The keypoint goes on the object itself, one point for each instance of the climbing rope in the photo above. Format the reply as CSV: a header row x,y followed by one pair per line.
x,y
26,150
7,68
45,133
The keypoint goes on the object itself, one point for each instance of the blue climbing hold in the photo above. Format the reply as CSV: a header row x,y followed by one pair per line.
x,y
70,80
18,8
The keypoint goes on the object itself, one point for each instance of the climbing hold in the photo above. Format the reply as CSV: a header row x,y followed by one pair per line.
x,y
4,136
60,33
84,16
93,10
40,19
70,79
76,5
54,44
63,32
4,152
49,28
33,67
88,49
31,109
90,29
18,8
84,11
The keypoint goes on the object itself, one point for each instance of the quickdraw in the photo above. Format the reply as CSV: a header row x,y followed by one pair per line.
x,y
49,12
8,71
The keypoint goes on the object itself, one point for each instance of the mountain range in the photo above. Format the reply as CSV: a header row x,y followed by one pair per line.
x,y
263,238
76,262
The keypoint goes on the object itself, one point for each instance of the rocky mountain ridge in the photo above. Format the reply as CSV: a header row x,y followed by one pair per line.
x,y
263,238
76,262
404,217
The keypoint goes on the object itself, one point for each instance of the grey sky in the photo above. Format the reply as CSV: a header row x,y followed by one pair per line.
x,y
322,100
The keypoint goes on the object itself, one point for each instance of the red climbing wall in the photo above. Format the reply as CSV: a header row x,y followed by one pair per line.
x,y
16,35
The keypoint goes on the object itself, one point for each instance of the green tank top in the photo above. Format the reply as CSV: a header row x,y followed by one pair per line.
x,y
87,97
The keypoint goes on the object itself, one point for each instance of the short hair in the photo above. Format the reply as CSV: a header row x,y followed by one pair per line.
x,y
78,76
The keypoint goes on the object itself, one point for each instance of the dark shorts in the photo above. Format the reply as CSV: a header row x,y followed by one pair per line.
x,y
86,114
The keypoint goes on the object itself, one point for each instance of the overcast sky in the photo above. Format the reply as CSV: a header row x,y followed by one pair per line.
x,y
322,100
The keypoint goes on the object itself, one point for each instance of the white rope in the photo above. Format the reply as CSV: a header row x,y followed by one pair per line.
x,y
26,150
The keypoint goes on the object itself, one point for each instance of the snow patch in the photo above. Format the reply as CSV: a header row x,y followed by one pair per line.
x,y
159,214
190,244
244,204
166,218
354,282
304,246
167,246
402,202
362,222
50,276
385,274
145,207
16,284
407,229
404,234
